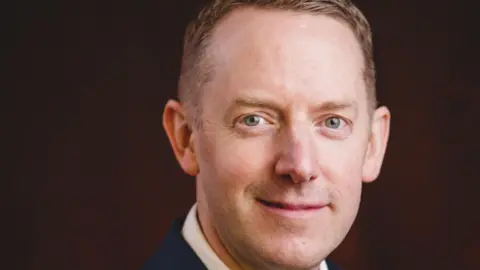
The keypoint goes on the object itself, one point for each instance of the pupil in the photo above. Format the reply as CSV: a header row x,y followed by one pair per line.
x,y
333,122
252,120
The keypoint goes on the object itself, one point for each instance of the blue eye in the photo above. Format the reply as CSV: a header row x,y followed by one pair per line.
x,y
333,122
252,120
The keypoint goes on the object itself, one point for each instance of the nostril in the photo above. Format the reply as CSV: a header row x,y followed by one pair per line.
x,y
297,178
286,177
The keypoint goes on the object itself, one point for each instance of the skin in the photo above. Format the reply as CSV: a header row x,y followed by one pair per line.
x,y
285,119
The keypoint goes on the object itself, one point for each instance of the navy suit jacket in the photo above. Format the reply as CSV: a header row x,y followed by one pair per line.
x,y
176,254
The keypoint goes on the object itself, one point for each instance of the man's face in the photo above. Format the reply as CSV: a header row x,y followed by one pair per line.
x,y
285,137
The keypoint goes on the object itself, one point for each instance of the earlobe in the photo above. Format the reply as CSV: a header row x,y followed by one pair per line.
x,y
180,136
377,144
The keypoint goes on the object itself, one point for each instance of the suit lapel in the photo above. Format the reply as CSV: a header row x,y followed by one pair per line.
x,y
174,253
332,266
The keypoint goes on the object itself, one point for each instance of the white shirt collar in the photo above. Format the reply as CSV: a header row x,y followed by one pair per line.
x,y
194,236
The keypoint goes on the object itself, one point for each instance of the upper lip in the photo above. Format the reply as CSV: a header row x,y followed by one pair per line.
x,y
293,205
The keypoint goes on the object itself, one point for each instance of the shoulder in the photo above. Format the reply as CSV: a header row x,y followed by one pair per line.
x,y
332,266
174,252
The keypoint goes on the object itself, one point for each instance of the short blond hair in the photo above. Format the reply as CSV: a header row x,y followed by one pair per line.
x,y
196,71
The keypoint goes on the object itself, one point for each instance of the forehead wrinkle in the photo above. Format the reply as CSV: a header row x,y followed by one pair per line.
x,y
276,59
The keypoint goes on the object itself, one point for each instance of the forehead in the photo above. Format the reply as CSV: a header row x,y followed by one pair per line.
x,y
286,54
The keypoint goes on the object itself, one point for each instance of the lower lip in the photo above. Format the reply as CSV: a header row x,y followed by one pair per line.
x,y
291,213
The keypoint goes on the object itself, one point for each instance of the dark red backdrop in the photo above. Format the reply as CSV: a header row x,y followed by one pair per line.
x,y
97,184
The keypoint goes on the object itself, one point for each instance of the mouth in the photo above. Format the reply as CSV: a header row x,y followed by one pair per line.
x,y
291,206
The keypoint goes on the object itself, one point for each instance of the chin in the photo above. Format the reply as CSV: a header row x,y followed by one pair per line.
x,y
291,261
296,253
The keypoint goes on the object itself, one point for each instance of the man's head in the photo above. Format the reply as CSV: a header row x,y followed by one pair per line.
x,y
197,68
277,121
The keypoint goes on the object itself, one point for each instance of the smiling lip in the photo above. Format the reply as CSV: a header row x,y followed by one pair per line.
x,y
291,206
291,210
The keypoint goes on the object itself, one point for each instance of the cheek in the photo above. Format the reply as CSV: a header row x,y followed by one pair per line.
x,y
343,169
235,163
344,161
246,162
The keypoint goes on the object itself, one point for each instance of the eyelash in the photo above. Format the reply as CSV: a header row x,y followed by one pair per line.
x,y
345,121
340,133
242,118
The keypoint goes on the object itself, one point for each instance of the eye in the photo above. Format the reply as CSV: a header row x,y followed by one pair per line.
x,y
253,120
334,122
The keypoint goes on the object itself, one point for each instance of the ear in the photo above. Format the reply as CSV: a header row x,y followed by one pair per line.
x,y
181,137
377,144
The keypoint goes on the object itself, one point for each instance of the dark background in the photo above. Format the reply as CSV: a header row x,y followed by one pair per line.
x,y
97,185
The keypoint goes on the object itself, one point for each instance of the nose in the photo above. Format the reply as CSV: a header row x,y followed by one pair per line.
x,y
297,160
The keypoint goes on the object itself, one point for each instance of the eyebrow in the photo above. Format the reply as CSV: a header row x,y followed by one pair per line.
x,y
337,106
274,106
256,102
